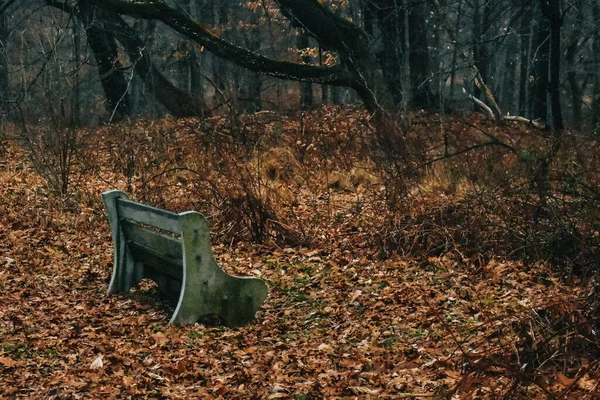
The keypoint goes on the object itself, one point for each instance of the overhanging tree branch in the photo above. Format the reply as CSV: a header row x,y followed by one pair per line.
x,y
179,22
5,4
105,49
175,100
178,102
329,29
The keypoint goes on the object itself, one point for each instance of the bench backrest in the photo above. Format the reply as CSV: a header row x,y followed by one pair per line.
x,y
174,250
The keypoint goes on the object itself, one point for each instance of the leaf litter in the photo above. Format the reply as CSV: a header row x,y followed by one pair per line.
x,y
339,322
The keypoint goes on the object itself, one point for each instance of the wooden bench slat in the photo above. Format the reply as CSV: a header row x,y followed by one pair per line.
x,y
167,265
144,214
183,267
163,245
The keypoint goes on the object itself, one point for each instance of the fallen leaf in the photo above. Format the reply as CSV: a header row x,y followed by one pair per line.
x,y
160,338
355,296
158,377
565,380
587,383
363,390
97,363
7,362
325,348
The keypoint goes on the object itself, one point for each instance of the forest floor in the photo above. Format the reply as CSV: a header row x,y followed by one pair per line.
x,y
341,320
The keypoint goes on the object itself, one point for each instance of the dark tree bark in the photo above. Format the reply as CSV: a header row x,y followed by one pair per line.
x,y
325,89
596,51
571,57
357,70
306,89
76,93
526,11
252,86
369,19
394,21
419,57
104,46
176,101
193,77
105,24
390,19
349,41
552,11
220,68
481,24
541,57
4,82
453,64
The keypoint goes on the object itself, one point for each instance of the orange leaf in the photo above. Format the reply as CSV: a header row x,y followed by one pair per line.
x,y
565,380
7,362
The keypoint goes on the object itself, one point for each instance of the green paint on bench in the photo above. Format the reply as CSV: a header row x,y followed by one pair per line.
x,y
181,263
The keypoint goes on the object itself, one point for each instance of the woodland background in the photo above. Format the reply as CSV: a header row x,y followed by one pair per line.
x,y
417,181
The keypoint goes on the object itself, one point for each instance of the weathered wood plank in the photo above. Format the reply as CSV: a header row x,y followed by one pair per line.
x,y
183,266
124,274
161,244
145,214
161,262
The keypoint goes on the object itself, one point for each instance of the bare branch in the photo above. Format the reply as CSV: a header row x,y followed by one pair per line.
x,y
157,10
5,4
481,104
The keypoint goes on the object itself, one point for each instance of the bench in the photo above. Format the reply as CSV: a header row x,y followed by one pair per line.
x,y
174,250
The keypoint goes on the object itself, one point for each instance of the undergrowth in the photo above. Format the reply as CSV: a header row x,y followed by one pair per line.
x,y
483,192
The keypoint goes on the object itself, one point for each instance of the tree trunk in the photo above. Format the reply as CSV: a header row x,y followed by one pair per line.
x,y
306,92
390,18
541,54
552,11
357,70
193,81
175,100
77,64
596,91
104,46
221,70
4,82
524,60
572,64
419,57
252,85
453,65
325,89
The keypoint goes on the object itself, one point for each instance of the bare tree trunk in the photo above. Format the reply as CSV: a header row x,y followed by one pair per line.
x,y
76,90
4,82
104,46
552,11
455,49
325,89
193,78
525,38
220,68
481,21
508,81
306,92
596,51
357,68
572,64
176,101
406,68
252,85
390,17
419,57
541,55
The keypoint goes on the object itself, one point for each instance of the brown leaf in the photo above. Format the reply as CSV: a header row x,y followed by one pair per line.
x,y
7,362
565,380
